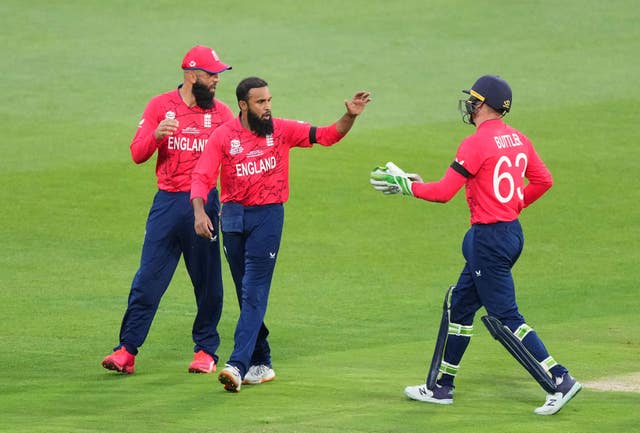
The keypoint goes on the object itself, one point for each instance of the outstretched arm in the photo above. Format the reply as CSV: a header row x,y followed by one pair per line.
x,y
441,191
355,107
331,134
393,180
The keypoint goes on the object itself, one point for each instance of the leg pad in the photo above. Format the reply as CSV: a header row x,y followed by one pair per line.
x,y
438,352
515,347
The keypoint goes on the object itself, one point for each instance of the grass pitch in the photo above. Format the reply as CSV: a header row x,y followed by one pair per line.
x,y
356,297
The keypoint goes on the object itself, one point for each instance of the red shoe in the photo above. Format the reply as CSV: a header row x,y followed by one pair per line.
x,y
120,360
202,363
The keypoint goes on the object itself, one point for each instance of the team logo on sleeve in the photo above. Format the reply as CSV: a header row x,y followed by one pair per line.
x,y
235,148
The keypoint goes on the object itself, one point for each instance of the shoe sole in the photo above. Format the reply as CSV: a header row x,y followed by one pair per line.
x,y
200,371
428,399
229,384
431,400
115,367
269,379
577,387
194,369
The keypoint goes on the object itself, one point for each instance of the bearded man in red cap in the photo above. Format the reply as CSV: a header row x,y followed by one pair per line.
x,y
177,124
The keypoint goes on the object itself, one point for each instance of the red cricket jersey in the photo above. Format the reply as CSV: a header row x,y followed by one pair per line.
x,y
492,163
179,153
254,170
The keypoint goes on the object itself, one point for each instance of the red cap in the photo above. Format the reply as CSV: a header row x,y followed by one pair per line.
x,y
205,59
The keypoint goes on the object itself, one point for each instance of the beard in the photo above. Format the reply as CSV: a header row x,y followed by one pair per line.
x,y
204,96
261,127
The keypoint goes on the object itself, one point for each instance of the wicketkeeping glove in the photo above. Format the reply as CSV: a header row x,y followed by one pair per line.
x,y
391,179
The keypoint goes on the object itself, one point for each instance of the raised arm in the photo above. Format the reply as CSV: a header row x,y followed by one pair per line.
x,y
355,107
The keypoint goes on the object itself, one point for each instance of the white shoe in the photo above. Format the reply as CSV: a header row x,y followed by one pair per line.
x,y
567,388
230,378
258,374
440,395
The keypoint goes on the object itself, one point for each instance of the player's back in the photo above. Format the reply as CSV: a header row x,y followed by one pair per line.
x,y
496,156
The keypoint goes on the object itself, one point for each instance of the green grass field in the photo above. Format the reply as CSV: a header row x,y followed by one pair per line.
x,y
355,301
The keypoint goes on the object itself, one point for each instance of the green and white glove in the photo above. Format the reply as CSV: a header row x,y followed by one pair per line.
x,y
391,179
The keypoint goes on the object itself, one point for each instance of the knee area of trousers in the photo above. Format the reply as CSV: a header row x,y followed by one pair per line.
x,y
461,317
144,297
211,300
255,297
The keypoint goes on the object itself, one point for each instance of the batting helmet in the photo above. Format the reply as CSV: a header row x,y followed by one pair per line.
x,y
493,91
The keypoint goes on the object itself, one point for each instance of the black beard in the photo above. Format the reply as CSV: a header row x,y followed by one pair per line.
x,y
204,96
258,126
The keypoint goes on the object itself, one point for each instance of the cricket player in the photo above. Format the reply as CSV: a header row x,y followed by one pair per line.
x,y
492,164
251,155
177,125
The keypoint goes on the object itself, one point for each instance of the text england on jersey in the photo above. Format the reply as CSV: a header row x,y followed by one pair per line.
x,y
185,143
256,167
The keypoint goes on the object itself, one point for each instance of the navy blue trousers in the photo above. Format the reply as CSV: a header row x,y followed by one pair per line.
x,y
490,251
170,234
251,238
